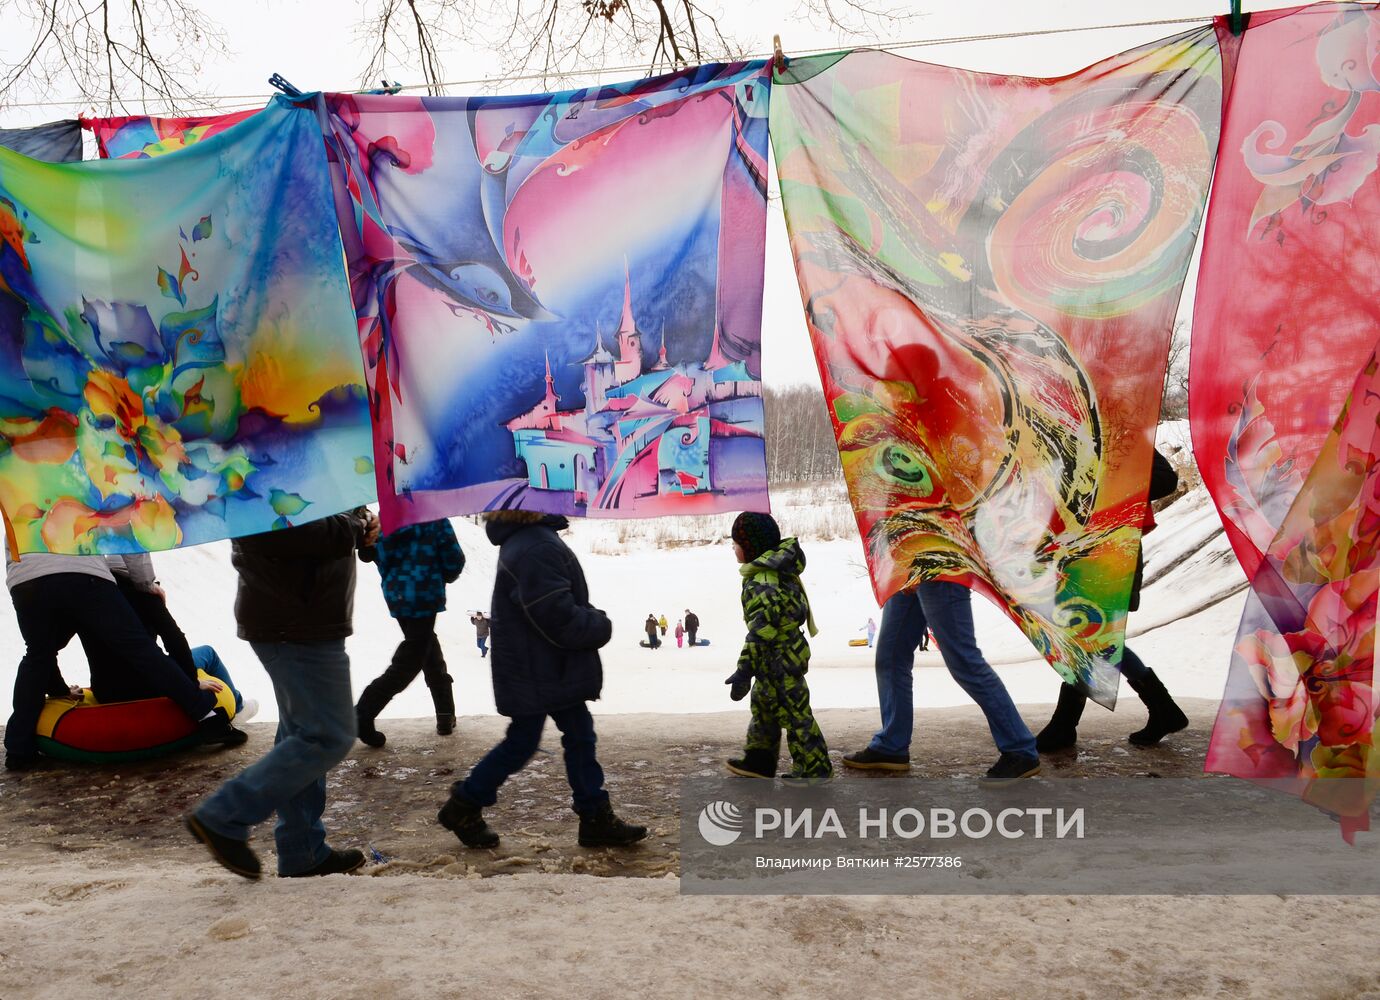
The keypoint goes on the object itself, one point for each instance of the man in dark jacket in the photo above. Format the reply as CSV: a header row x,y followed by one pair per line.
x,y
545,663
692,626
294,606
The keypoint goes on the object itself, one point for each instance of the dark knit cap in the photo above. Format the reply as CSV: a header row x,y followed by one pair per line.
x,y
756,533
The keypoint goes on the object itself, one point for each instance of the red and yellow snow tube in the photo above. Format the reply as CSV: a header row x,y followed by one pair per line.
x,y
120,731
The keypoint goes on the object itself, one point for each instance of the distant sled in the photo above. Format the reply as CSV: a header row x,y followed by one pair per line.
x,y
857,642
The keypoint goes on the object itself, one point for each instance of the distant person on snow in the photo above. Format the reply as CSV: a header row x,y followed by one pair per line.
x,y
775,654
692,626
650,628
680,634
415,564
546,664
871,629
1165,716
661,623
481,632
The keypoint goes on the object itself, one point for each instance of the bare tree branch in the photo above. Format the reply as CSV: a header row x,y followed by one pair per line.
x,y
554,41
112,53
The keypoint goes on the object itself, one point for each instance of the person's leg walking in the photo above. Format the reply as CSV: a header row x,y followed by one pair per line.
x,y
903,623
582,768
319,710
1132,667
809,752
442,687
762,746
311,682
1165,715
408,661
948,608
509,756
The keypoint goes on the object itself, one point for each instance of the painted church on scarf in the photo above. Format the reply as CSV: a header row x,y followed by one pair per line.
x,y
648,430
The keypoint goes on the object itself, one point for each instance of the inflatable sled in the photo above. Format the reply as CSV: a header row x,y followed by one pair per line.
x,y
121,731
857,642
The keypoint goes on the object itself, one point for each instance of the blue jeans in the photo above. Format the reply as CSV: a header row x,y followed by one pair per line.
x,y
523,738
947,609
207,659
316,728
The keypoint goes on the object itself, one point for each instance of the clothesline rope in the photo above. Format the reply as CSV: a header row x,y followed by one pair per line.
x,y
216,102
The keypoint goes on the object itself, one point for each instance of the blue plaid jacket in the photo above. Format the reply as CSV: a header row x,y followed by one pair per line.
x,y
416,563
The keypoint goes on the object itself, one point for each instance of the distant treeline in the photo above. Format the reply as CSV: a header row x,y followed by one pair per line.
x,y
800,440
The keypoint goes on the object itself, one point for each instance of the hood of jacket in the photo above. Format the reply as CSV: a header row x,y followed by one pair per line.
x,y
788,557
500,531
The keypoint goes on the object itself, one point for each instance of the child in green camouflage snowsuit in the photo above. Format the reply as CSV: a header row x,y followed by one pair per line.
x,y
775,654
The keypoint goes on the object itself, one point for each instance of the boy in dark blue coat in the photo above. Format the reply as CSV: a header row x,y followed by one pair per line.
x,y
545,662
415,564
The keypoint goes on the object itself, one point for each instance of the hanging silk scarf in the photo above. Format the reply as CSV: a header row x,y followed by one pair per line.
x,y
56,142
1283,401
559,296
134,137
177,355
990,266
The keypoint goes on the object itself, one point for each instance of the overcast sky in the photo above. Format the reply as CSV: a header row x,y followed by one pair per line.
x,y
315,44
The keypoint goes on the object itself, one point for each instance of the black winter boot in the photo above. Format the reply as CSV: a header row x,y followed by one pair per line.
x,y
1165,716
466,820
1061,733
364,728
754,764
603,829
443,697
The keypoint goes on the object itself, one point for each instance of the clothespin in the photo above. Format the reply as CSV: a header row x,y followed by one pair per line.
x,y
1236,20
278,82
778,59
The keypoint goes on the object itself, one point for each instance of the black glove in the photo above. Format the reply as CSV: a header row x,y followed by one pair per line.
x,y
741,681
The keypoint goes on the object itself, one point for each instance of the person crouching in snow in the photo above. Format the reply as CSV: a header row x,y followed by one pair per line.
x,y
546,663
415,564
775,654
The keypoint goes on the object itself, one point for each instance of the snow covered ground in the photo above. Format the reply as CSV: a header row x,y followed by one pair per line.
x,y
1192,602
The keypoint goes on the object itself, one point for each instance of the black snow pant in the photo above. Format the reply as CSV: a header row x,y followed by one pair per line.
x,y
418,653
